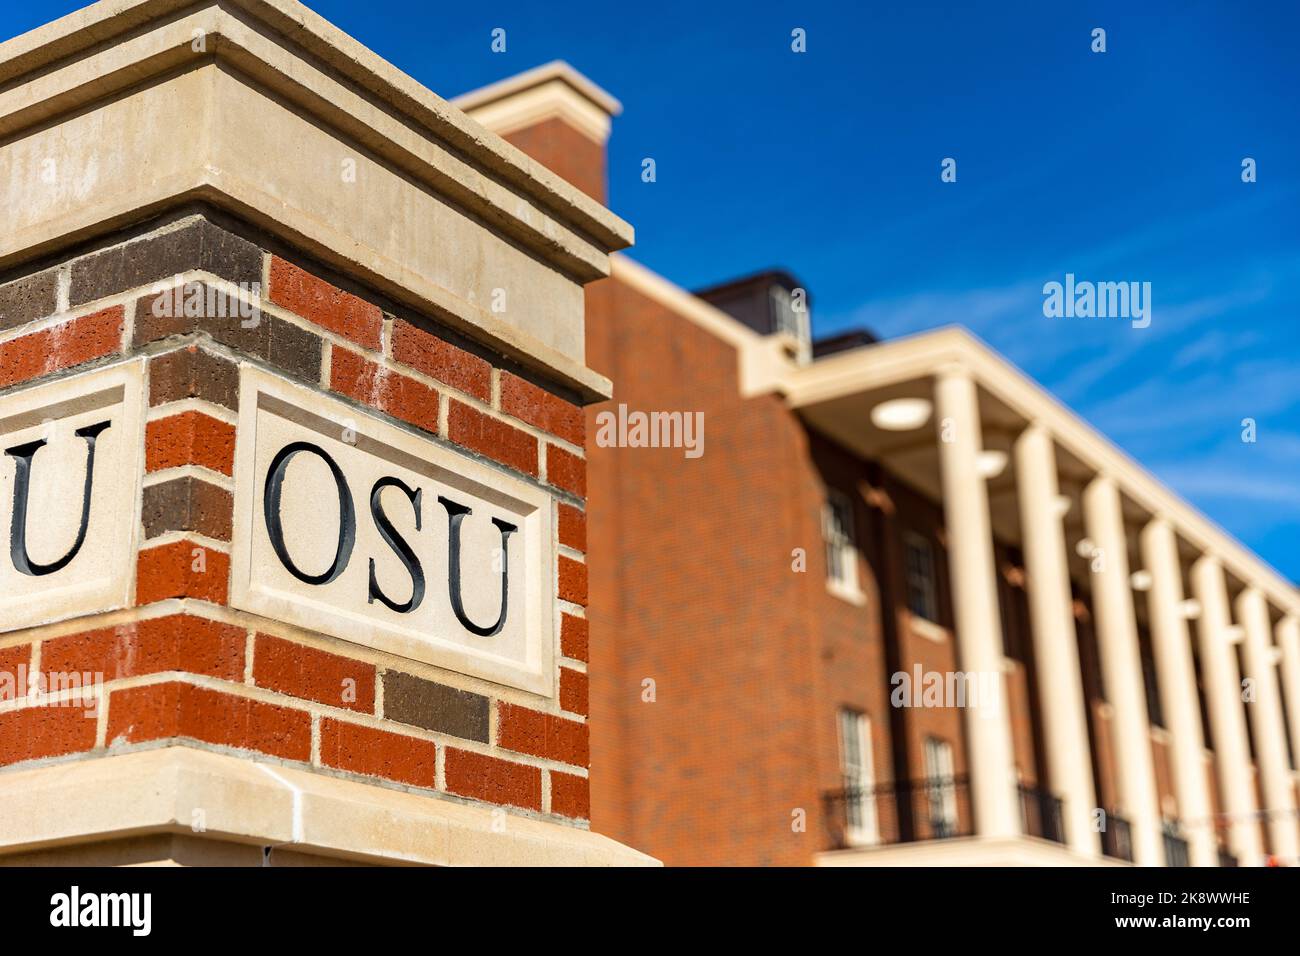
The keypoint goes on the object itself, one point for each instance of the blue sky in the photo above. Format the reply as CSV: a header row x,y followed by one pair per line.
x,y
1117,166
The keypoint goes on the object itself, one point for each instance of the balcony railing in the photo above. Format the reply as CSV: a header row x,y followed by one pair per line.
x,y
900,812
1040,814
1175,850
1117,838
1226,858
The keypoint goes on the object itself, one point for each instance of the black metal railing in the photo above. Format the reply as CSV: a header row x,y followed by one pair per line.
x,y
899,812
1226,857
1040,814
1117,838
1175,849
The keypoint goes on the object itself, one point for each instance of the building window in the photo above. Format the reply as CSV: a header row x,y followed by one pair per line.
x,y
918,563
940,788
859,777
841,551
1154,714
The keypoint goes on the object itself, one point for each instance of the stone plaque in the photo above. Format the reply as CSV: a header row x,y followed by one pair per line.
x,y
352,526
70,495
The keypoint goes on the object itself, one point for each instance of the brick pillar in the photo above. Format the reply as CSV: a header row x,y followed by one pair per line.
x,y
301,495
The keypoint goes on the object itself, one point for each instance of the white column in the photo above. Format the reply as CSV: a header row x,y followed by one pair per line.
x,y
1227,720
1121,669
1266,719
1056,647
1176,675
975,605
1288,639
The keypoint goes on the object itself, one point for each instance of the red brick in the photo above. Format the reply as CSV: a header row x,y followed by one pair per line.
x,y
179,642
573,581
160,711
377,753
63,346
36,732
573,637
301,671
542,735
439,359
539,408
11,658
573,691
190,438
570,795
168,571
390,392
566,471
492,437
329,307
573,527
497,781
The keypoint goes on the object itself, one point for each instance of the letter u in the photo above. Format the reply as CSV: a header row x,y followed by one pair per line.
x,y
456,514
23,455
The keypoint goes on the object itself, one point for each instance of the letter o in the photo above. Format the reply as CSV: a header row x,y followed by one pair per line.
x,y
271,507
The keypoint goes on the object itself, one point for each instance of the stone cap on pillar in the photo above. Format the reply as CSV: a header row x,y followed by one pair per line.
x,y
127,108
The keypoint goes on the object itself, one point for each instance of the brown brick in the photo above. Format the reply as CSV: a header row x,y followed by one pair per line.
x,y
377,753
301,671
291,349
447,710
199,245
161,711
572,527
573,691
187,504
391,392
179,642
28,299
541,409
329,307
572,581
175,570
570,795
61,347
11,658
439,359
497,781
565,470
193,373
573,637
190,438
491,437
37,732
542,735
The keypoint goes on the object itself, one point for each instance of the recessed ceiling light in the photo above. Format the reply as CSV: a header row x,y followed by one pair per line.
x,y
901,414
991,463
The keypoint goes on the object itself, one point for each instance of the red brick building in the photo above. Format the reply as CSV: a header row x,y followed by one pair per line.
x,y
864,510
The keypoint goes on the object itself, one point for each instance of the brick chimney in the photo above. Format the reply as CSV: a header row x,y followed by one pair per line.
x,y
555,115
